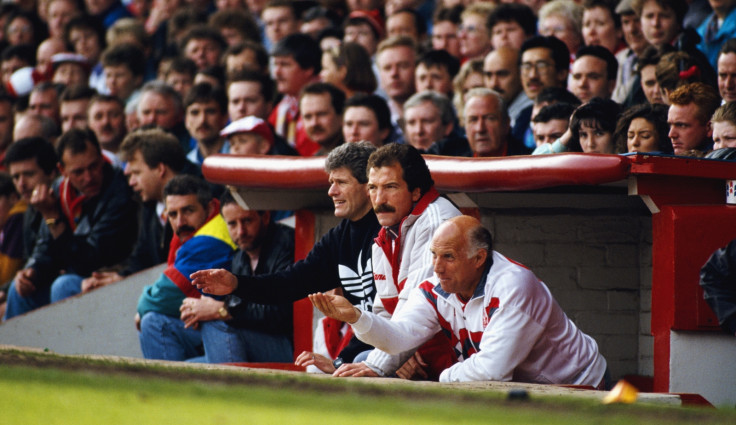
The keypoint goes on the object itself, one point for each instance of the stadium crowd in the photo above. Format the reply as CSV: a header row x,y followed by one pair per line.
x,y
108,109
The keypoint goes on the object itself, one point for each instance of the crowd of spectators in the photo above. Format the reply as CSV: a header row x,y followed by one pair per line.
x,y
105,102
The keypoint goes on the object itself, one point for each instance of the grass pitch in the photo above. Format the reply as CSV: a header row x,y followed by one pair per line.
x,y
47,389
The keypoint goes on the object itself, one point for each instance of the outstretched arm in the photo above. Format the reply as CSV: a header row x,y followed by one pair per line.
x,y
214,281
336,307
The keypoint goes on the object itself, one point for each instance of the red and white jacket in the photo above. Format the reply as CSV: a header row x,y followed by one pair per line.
x,y
512,329
401,264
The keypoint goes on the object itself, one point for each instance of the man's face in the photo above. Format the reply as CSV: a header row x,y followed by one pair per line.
x,y
507,34
396,72
73,114
280,22
590,79
686,130
401,23
243,60
84,170
248,144
424,125
634,37
595,140
247,228
434,78
360,123
658,24
107,121
727,76
70,74
456,272
650,86
204,120
349,196
121,81
27,175
157,109
185,215
289,76
6,124
501,74
390,195
180,81
145,181
538,71
203,51
362,34
244,99
444,37
321,122
85,42
474,37
548,132
45,103
485,126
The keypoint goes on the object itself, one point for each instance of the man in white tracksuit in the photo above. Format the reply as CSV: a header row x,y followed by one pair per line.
x,y
503,322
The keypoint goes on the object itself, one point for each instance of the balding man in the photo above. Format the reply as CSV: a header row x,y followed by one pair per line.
x,y
503,321
501,74
487,125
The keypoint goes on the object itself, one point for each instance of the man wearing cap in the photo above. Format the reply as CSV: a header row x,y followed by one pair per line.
x,y
70,69
249,136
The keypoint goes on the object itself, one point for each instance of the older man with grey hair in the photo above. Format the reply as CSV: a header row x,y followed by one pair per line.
x,y
161,106
487,124
429,125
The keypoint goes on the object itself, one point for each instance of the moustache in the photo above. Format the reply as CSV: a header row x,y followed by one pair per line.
x,y
384,208
183,229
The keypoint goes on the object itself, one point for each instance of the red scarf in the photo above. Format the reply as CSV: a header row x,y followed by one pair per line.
x,y
71,202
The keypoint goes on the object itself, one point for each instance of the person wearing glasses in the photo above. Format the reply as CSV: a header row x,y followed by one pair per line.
x,y
544,63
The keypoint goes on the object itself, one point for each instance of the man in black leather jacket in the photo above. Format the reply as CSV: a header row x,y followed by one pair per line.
x,y
718,280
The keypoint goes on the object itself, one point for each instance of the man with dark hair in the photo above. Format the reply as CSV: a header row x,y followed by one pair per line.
x,y
501,74
510,24
342,258
408,23
73,104
435,70
396,60
153,157
90,223
727,71
249,332
11,232
280,19
204,45
246,55
551,122
445,26
124,70
321,106
368,118
86,35
364,28
199,242
593,73
545,62
15,57
180,75
205,115
296,62
503,322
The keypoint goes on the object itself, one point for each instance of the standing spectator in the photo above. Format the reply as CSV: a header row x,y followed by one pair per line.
x,y
628,57
501,74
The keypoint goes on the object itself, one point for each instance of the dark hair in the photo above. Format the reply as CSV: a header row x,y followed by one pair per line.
x,y
680,7
107,98
77,92
85,21
40,32
728,47
555,111
603,54
125,54
359,20
451,14
419,23
353,156
375,103
36,148
650,56
357,62
655,114
156,147
558,49
337,96
441,58
268,88
7,188
205,92
317,12
414,170
203,32
185,184
215,71
182,65
556,94
303,48
239,19
76,141
513,12
257,48
24,52
599,113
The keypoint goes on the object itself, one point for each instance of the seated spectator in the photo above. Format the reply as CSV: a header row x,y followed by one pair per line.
x,y
200,242
628,57
7,122
445,29
469,77
648,89
90,223
475,39
235,26
407,23
212,75
510,24
44,100
180,75
723,124
12,210
367,118
106,118
548,96
593,73
511,326
487,125
248,136
107,11
58,14
545,62
280,19
348,67
717,281
24,27
551,123
691,107
131,31
247,55
676,69
73,104
241,331
86,36
592,125
321,106
70,69
205,114
161,106
204,45
563,19
601,25
318,18
14,58
123,71
727,71
33,125
45,51
643,128
501,74
430,125
434,71
365,28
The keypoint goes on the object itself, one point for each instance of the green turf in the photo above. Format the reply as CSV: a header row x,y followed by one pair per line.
x,y
141,395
